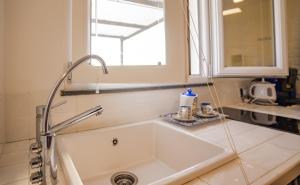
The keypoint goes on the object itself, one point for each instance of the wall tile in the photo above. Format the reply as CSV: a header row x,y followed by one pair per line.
x,y
15,147
119,108
14,173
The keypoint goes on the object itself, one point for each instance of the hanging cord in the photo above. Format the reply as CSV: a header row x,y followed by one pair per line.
x,y
208,77
214,94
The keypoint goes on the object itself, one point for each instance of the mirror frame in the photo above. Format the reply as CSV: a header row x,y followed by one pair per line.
x,y
217,48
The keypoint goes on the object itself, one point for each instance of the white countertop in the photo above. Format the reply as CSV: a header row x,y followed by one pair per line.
x,y
263,154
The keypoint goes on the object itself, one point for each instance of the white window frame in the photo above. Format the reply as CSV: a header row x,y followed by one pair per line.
x,y
217,40
175,70
202,26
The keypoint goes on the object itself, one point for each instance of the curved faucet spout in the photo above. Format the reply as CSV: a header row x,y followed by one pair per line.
x,y
60,81
48,140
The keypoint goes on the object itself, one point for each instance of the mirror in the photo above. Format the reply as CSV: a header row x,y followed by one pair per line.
x,y
293,30
248,38
248,33
240,38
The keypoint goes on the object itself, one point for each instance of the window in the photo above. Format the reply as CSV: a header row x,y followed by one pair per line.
x,y
162,57
220,44
128,32
199,33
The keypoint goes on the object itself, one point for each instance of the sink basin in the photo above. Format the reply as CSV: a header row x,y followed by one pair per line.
x,y
154,151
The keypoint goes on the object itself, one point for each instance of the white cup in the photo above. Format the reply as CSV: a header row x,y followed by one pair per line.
x,y
206,108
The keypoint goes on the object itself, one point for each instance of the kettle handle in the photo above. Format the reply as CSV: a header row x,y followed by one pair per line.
x,y
251,90
273,91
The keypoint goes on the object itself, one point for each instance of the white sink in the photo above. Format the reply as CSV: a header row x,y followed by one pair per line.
x,y
154,151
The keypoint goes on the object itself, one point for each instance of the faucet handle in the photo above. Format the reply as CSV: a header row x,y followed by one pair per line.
x,y
36,148
37,177
36,162
59,104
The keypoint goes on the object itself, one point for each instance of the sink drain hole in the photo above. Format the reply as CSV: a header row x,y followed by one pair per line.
x,y
124,178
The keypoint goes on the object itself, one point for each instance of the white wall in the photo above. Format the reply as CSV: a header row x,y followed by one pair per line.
x,y
2,119
36,54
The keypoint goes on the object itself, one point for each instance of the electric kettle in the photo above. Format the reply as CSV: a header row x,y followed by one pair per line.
x,y
263,91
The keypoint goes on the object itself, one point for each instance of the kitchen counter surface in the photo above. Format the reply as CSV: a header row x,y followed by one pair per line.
x,y
264,155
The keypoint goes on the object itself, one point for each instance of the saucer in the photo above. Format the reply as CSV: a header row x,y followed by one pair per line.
x,y
211,115
178,118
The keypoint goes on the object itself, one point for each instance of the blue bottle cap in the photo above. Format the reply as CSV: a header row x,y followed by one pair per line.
x,y
189,92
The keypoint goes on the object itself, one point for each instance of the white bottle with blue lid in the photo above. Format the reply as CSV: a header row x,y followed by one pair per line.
x,y
189,98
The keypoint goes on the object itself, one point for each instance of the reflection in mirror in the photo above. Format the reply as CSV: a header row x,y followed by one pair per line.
x,y
248,33
123,38
293,30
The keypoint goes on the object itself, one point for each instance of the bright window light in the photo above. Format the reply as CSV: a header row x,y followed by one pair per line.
x,y
232,11
238,1
128,32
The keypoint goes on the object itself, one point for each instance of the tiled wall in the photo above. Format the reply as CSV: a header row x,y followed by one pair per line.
x,y
120,108
36,54
293,29
2,128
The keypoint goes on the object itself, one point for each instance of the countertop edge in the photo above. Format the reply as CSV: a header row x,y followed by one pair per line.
x,y
276,173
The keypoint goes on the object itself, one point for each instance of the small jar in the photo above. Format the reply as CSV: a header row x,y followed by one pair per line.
x,y
189,98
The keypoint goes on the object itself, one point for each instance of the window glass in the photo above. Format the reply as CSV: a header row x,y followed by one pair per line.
x,y
128,32
248,33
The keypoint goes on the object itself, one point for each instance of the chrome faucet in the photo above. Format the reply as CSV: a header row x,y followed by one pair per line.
x,y
47,132
62,78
